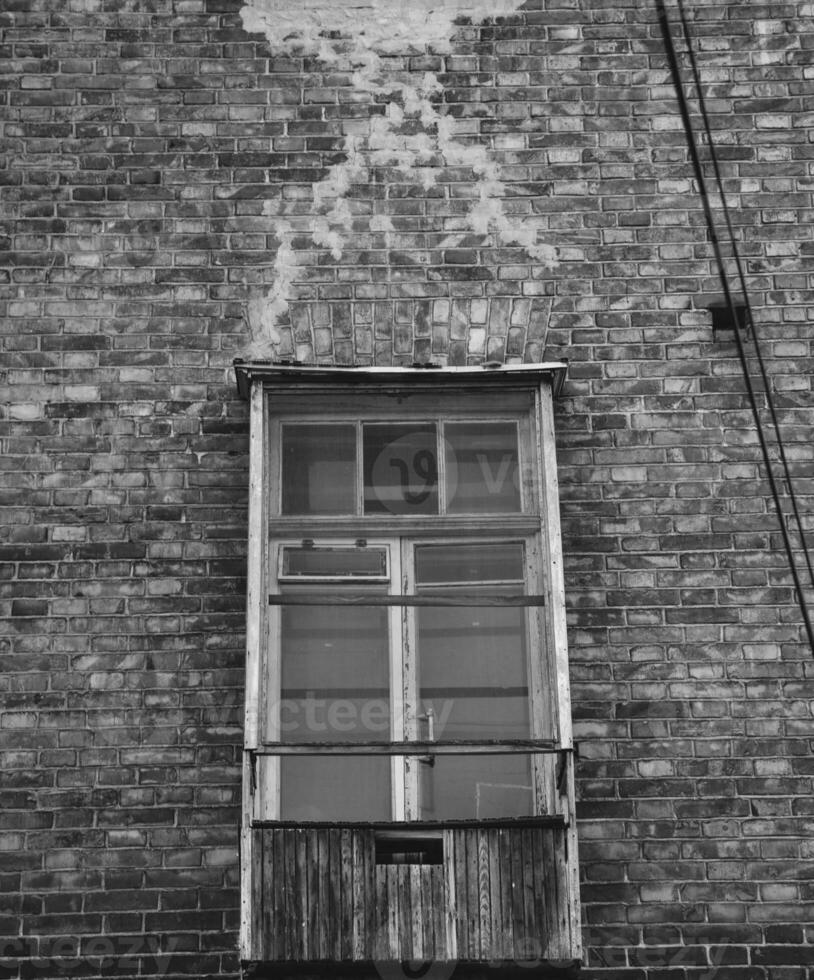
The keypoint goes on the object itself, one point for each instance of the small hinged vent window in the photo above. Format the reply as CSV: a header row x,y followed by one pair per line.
x,y
354,563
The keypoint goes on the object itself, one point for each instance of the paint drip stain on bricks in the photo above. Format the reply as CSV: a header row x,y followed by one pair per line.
x,y
413,136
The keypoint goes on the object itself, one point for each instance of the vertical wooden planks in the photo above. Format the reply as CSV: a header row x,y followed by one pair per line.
x,y
292,895
417,929
402,899
333,898
472,894
545,887
361,898
310,906
281,892
484,898
519,935
501,894
452,881
346,918
435,874
299,911
332,901
532,923
570,849
435,896
562,905
369,893
495,924
378,935
393,945
322,926
504,837
263,873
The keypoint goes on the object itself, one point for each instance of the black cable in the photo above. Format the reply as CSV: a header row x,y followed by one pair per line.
x,y
701,180
742,278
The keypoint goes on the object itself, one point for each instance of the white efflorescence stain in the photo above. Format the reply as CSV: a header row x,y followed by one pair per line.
x,y
412,136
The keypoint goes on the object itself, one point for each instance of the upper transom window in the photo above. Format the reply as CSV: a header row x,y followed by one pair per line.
x,y
412,467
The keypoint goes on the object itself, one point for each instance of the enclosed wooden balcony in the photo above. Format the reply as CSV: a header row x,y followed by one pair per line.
x,y
408,775
496,892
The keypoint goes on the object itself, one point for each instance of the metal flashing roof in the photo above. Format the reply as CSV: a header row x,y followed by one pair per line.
x,y
509,375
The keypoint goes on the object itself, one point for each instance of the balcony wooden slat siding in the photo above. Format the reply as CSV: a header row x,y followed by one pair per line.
x,y
500,893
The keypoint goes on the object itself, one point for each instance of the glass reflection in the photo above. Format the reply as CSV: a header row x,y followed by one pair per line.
x,y
335,677
319,469
334,688
335,788
483,475
476,787
473,680
401,468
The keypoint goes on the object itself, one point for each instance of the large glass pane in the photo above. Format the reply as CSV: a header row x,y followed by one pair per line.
x,y
446,564
482,471
335,788
335,684
334,688
401,468
319,469
473,679
476,787
472,671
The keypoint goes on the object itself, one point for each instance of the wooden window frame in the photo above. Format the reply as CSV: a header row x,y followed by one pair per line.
x,y
278,393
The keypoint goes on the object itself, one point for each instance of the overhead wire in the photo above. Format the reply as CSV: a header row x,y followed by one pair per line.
x,y
747,302
672,58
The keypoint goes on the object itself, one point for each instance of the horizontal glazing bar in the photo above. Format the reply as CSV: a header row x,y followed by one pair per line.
x,y
415,826
427,599
514,747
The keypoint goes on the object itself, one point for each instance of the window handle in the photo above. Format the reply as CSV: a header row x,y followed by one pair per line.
x,y
429,717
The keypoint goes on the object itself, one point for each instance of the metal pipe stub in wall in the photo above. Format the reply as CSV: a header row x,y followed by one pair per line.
x,y
722,318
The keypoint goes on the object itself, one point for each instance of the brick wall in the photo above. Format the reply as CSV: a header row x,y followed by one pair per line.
x,y
182,187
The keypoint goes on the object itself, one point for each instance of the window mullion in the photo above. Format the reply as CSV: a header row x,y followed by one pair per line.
x,y
269,781
409,681
441,458
397,694
360,471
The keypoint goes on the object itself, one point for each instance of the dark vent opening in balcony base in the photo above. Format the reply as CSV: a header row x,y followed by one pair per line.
x,y
393,847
